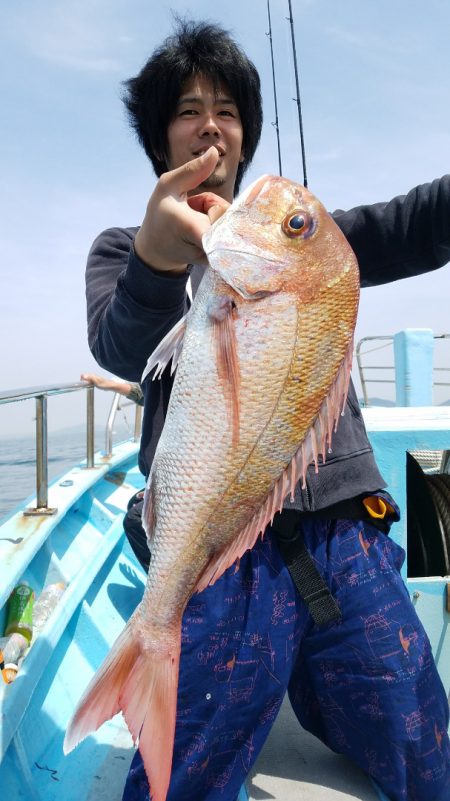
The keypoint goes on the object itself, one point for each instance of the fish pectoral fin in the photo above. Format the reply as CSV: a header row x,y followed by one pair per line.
x,y
228,366
169,348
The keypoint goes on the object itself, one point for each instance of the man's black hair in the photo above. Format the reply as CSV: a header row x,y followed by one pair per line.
x,y
195,48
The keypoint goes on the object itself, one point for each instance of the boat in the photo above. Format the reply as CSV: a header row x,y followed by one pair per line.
x,y
71,532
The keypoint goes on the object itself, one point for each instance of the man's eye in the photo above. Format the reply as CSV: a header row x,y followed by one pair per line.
x,y
188,112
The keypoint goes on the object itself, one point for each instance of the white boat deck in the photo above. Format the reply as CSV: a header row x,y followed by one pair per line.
x,y
295,766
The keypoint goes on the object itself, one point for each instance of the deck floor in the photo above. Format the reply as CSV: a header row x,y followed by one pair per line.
x,y
295,766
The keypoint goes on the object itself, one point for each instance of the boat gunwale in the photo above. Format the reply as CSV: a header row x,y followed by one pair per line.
x,y
15,557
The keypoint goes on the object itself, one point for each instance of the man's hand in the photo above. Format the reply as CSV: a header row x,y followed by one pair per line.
x,y
171,233
112,384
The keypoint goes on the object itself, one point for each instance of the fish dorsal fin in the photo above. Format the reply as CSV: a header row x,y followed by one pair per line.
x,y
169,348
315,444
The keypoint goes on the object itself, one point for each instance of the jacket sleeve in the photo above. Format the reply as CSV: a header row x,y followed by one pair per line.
x,y
130,307
405,237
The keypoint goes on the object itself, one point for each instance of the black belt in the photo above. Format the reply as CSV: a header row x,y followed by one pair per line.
x,y
310,584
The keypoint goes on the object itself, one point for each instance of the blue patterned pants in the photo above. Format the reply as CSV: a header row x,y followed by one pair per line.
x,y
367,686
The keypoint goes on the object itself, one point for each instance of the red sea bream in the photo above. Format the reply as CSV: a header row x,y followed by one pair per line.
x,y
263,362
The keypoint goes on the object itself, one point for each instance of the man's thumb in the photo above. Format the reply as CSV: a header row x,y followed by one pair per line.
x,y
193,173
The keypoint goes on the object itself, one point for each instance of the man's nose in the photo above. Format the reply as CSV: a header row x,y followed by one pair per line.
x,y
210,127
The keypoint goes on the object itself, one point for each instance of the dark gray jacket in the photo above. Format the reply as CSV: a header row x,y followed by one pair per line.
x,y
130,308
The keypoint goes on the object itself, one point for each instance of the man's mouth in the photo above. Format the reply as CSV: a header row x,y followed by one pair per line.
x,y
202,150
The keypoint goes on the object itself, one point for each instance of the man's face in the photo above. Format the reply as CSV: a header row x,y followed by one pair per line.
x,y
203,118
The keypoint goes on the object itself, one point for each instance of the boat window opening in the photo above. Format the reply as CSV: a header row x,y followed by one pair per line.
x,y
428,513
379,377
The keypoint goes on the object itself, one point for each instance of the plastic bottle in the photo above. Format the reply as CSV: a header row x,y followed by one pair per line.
x,y
13,647
45,604
20,611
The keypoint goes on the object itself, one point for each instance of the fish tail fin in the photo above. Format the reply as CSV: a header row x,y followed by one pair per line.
x,y
142,683
158,730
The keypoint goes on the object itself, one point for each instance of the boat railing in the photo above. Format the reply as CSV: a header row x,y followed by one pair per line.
x,y
40,395
389,369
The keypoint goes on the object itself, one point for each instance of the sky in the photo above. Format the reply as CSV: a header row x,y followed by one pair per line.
x,y
375,94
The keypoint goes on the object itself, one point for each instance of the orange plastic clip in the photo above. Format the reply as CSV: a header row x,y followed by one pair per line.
x,y
377,507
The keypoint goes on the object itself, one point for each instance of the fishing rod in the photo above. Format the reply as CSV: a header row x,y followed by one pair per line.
x,y
275,124
297,99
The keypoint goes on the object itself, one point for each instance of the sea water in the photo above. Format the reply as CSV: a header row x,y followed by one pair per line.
x,y
66,448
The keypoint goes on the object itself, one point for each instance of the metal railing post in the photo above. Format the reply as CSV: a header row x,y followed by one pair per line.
x,y
362,378
41,452
90,427
137,423
361,373
40,394
110,423
42,507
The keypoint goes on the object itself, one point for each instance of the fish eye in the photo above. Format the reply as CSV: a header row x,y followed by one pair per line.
x,y
298,223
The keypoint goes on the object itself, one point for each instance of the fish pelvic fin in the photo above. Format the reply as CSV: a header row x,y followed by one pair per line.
x,y
316,443
169,348
228,362
148,518
141,682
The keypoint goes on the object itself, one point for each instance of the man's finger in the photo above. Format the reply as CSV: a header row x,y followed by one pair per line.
x,y
210,204
215,212
192,174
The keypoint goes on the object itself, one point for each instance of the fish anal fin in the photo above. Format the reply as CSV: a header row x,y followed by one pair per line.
x,y
228,556
169,348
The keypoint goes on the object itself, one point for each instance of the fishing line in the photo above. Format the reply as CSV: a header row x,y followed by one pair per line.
x,y
290,19
275,124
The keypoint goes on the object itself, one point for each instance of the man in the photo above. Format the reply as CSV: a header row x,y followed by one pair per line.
x,y
197,110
